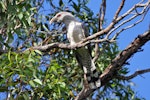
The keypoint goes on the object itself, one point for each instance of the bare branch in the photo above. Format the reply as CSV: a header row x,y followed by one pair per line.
x,y
112,24
119,9
101,20
130,26
66,46
132,9
102,12
143,13
133,75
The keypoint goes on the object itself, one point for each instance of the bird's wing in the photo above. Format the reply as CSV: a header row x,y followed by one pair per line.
x,y
86,33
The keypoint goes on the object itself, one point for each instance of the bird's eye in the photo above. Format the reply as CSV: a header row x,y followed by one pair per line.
x,y
59,15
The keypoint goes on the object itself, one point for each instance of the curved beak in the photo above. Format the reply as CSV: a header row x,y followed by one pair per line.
x,y
53,20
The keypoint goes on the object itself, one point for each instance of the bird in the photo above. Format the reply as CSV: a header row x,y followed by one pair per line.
x,y
76,32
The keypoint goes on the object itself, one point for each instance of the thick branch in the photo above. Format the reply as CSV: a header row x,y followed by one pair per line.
x,y
66,46
124,56
118,62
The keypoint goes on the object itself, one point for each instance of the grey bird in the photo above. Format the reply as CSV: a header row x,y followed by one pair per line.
x,y
76,32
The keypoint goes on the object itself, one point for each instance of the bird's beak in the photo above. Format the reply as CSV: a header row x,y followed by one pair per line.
x,y
53,20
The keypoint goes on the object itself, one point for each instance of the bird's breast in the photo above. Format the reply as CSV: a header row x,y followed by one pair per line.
x,y
75,33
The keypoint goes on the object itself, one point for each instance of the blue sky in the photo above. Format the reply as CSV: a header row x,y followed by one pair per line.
x,y
141,59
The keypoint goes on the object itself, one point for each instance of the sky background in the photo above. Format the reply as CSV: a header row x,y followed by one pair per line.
x,y
140,60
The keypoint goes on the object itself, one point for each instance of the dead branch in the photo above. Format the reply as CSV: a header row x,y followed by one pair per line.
x,y
102,12
139,72
119,9
139,5
142,13
67,46
116,64
130,26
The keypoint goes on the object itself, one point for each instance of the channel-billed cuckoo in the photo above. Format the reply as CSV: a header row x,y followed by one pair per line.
x,y
76,32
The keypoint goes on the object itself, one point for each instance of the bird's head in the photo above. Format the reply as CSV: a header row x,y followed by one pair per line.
x,y
65,17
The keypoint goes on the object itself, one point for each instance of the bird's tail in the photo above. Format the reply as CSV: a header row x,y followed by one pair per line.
x,y
85,60
93,79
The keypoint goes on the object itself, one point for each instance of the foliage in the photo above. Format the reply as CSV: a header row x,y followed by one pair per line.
x,y
54,75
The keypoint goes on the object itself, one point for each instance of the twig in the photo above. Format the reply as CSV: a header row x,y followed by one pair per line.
x,y
119,9
102,12
100,27
133,75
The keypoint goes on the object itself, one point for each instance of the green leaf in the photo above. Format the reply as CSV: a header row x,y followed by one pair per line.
x,y
61,3
29,20
76,7
9,58
39,52
3,5
31,83
26,96
62,84
20,15
30,59
38,81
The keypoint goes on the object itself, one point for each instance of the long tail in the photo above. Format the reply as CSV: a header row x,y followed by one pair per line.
x,y
85,60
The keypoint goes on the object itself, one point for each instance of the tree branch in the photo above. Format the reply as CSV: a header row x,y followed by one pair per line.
x,y
133,75
130,26
119,9
139,5
48,47
143,13
102,12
